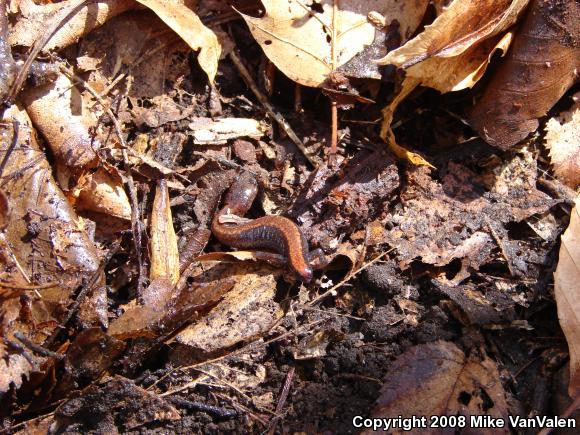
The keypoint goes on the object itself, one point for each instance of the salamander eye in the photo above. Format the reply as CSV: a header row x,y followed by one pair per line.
x,y
306,274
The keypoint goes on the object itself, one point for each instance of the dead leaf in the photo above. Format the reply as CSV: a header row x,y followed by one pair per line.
x,y
42,244
539,68
14,368
164,254
57,111
247,310
438,379
187,24
567,294
307,40
450,54
563,141
31,24
102,192
207,131
460,26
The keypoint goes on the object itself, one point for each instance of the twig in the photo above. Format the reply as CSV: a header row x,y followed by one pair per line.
x,y
28,287
222,161
37,348
64,15
502,246
269,108
282,401
130,184
216,411
237,352
332,290
333,132
87,287
13,143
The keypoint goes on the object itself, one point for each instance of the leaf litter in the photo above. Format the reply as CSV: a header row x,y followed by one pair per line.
x,y
435,294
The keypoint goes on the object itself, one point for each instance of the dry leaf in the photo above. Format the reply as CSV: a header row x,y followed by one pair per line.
x,y
563,140
450,54
164,254
461,25
187,24
539,68
31,24
42,244
307,40
207,131
567,294
13,369
58,113
247,310
438,379
102,192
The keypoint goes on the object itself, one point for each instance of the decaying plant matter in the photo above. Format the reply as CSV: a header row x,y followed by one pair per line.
x,y
192,240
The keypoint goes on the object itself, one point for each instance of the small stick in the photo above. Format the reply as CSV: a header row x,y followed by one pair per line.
x,y
36,348
333,289
282,401
264,101
333,132
64,15
216,411
130,184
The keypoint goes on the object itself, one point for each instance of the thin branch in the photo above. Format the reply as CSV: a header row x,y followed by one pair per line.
x,y
264,101
332,290
64,15
130,184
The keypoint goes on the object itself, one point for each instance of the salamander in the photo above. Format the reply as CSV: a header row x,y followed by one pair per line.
x,y
271,233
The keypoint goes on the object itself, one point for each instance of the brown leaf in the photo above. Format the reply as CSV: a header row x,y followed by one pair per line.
x,y
188,25
450,54
563,140
309,40
103,192
31,24
164,254
538,70
42,244
56,110
567,294
247,310
13,368
461,25
438,379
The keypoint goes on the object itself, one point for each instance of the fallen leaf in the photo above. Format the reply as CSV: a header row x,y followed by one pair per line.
x,y
438,379
187,24
563,140
459,27
102,192
539,68
55,111
42,244
247,310
308,40
567,293
164,254
14,368
31,24
207,131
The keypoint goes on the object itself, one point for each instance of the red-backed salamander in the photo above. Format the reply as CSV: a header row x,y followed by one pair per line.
x,y
271,233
